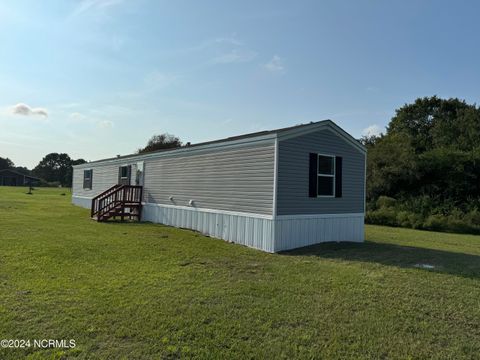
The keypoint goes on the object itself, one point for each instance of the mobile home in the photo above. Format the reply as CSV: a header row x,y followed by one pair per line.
x,y
271,190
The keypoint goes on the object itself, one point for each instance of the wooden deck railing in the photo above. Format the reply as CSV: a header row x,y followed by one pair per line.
x,y
118,196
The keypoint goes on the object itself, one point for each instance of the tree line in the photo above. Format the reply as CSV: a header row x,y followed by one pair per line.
x,y
56,169
424,171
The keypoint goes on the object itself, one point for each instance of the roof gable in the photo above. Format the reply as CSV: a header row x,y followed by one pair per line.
x,y
322,125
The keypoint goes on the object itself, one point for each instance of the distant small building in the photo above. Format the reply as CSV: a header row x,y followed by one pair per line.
x,y
10,177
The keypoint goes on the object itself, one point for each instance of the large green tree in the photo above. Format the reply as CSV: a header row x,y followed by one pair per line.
x,y
432,122
54,167
431,147
161,142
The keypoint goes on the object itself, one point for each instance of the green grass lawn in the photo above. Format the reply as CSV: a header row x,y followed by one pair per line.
x,y
131,290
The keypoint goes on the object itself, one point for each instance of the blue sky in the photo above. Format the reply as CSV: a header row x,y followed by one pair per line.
x,y
97,78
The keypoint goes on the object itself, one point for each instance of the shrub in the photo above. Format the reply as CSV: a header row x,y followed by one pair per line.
x,y
459,226
409,220
425,212
386,202
435,222
473,217
424,205
383,216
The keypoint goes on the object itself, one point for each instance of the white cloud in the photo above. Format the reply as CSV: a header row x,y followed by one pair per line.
x,y
24,109
275,64
372,130
235,56
105,124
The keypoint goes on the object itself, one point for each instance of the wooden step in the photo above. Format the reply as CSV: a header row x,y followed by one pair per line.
x,y
122,201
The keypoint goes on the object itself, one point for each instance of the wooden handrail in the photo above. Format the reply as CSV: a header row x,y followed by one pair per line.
x,y
106,191
94,208
117,195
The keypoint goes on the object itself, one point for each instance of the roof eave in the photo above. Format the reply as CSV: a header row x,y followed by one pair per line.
x,y
182,150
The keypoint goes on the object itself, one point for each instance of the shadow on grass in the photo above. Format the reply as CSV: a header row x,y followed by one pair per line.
x,y
458,264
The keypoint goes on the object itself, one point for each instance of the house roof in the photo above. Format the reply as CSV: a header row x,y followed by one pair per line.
x,y
281,133
3,171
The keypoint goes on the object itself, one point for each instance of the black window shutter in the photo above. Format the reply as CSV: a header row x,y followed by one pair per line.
x,y
338,176
120,175
313,175
85,179
91,180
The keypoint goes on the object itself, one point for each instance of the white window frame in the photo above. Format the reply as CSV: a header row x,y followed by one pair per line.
x,y
327,175
90,171
139,171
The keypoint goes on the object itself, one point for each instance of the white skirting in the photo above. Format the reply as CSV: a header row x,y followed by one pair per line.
x,y
260,231
303,230
247,229
82,201
257,231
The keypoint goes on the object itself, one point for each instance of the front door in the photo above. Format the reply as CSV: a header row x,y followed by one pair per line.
x,y
124,174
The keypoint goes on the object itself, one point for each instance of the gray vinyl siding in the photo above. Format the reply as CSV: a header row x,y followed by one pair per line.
x,y
293,175
234,179
104,177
